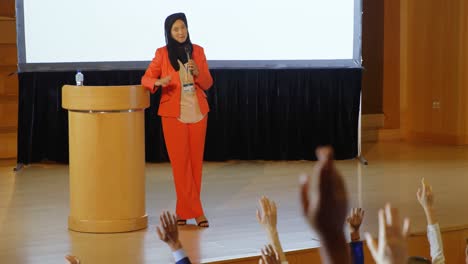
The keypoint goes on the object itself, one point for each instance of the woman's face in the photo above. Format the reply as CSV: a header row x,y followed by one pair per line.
x,y
179,31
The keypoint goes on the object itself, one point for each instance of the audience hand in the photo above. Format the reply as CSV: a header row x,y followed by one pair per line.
x,y
466,251
72,259
267,216
392,246
326,209
355,221
425,196
168,231
426,199
269,256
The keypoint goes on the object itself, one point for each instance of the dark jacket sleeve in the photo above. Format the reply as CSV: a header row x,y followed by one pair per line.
x,y
185,260
357,252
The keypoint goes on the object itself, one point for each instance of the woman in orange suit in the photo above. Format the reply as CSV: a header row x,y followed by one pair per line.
x,y
181,71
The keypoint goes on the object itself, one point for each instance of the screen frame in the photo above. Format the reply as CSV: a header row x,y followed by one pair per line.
x,y
355,62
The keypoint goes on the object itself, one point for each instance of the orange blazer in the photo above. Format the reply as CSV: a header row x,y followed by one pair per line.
x,y
160,66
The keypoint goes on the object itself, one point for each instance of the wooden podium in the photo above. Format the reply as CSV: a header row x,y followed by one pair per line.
x,y
107,157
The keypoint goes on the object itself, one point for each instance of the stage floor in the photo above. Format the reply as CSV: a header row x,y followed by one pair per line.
x,y
34,205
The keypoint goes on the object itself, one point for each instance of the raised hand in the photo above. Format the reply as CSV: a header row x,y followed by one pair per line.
x,y
269,256
466,251
267,215
168,231
354,221
326,208
392,244
426,199
72,259
425,195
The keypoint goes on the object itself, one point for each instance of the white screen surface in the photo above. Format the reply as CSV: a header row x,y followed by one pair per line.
x,y
93,31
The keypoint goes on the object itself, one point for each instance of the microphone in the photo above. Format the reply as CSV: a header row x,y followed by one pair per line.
x,y
188,51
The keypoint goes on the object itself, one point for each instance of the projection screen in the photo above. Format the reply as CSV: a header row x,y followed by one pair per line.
x,y
61,35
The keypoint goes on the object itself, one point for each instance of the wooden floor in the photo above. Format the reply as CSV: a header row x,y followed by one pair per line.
x,y
34,205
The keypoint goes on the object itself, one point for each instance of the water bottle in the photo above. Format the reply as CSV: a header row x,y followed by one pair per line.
x,y
79,78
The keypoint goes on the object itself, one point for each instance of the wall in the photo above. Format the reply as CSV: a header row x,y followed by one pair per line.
x,y
372,55
8,81
373,85
391,65
433,71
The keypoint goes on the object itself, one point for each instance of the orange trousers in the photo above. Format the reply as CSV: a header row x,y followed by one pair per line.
x,y
185,144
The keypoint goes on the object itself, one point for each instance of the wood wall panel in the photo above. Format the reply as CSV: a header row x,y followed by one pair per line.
x,y
433,59
463,71
7,145
8,54
8,29
372,55
8,81
9,113
7,8
391,64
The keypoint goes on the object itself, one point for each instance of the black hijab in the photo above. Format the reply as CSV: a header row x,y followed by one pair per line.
x,y
177,51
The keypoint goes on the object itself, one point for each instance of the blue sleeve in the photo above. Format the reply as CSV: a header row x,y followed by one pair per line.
x,y
180,257
357,252
185,260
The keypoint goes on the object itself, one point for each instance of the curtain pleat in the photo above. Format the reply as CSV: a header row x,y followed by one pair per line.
x,y
254,114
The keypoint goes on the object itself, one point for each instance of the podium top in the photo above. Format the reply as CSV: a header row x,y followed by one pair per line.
x,y
105,98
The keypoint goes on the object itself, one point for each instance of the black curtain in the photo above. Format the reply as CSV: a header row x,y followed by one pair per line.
x,y
255,114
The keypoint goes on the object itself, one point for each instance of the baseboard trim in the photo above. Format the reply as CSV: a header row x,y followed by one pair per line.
x,y
419,137
372,121
389,135
8,145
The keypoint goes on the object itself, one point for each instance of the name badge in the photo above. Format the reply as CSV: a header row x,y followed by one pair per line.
x,y
188,87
